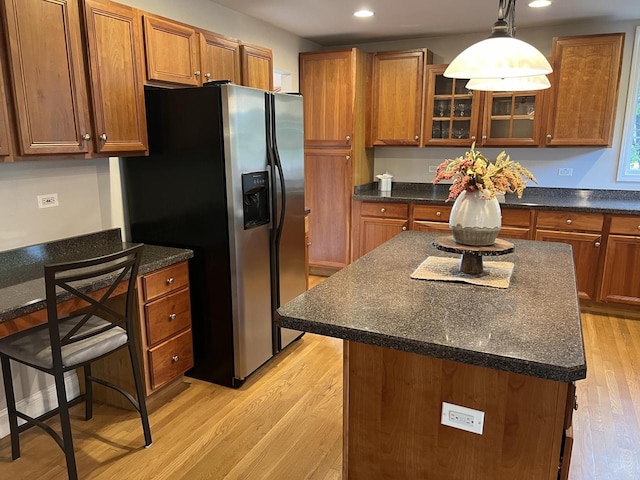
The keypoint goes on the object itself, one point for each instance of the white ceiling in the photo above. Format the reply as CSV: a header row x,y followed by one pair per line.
x,y
330,22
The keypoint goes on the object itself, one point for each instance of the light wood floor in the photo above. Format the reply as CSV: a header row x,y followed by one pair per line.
x,y
286,422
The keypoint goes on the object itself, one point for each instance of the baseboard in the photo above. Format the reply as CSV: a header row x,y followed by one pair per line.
x,y
40,402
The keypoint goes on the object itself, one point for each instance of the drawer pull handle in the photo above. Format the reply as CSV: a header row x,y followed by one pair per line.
x,y
569,222
382,210
175,359
438,214
172,316
170,281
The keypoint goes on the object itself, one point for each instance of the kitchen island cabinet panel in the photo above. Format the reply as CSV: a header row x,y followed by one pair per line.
x,y
47,73
116,77
394,419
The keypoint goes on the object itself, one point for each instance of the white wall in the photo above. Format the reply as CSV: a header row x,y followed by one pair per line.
x,y
592,167
89,191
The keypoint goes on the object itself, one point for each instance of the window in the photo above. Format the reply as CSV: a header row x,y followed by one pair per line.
x,y
629,165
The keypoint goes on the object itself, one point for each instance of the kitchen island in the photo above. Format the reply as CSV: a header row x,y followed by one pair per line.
x,y
411,345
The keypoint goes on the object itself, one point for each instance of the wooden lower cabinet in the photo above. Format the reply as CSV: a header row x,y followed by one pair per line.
x,y
327,174
620,279
392,419
376,222
165,323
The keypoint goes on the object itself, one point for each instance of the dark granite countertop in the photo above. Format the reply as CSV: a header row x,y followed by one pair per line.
x,y
533,327
597,201
22,274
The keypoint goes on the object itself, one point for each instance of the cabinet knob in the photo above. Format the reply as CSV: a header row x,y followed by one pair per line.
x,y
175,359
383,210
597,244
638,227
86,137
172,316
170,281
103,137
473,138
404,228
348,138
417,137
348,157
207,75
484,137
438,214
197,73
569,221
549,137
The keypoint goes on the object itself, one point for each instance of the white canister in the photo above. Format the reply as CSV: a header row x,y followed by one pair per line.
x,y
385,182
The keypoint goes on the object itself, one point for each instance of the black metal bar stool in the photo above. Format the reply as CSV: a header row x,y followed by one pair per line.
x,y
74,340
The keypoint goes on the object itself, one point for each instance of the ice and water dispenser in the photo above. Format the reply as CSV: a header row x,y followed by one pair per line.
x,y
255,199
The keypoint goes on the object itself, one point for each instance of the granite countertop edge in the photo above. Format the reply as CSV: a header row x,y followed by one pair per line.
x,y
508,364
153,258
541,198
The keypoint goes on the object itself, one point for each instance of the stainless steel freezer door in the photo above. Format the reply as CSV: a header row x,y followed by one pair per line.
x,y
290,142
245,151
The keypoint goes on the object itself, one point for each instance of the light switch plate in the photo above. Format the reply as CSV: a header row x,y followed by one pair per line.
x,y
464,418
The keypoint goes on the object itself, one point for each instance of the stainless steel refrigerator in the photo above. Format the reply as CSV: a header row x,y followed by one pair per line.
x,y
225,178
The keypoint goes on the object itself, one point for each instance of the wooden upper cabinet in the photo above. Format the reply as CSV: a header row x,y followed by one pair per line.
x,y
48,78
257,67
397,93
5,149
219,58
172,51
512,118
116,78
327,86
451,112
584,90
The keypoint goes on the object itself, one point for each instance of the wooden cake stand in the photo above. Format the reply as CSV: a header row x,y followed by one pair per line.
x,y
471,261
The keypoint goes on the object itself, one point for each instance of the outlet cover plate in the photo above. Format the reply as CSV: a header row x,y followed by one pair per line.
x,y
464,418
48,200
565,172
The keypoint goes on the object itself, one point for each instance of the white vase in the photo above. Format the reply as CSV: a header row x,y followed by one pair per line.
x,y
474,220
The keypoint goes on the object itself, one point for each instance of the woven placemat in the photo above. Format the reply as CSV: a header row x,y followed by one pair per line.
x,y
495,274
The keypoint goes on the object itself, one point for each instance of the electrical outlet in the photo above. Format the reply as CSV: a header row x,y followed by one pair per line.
x,y
464,418
433,168
48,200
565,172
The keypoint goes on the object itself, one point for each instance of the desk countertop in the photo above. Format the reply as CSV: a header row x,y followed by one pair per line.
x,y
22,289
533,327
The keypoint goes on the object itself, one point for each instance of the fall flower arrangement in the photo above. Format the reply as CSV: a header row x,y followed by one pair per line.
x,y
474,171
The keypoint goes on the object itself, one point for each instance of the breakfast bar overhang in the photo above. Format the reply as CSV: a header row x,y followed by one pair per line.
x,y
411,345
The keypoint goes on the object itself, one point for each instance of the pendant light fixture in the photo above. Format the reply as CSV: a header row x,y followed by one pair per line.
x,y
501,57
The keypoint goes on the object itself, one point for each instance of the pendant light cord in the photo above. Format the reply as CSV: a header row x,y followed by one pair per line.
x,y
507,12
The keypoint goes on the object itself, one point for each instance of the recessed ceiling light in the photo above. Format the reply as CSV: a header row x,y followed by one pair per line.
x,y
539,3
363,13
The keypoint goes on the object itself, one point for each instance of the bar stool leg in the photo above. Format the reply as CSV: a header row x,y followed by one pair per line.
x,y
11,407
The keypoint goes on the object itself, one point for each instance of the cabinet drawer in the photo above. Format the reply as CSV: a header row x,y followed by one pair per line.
x,y
165,280
167,316
435,213
171,359
625,225
385,210
591,222
516,217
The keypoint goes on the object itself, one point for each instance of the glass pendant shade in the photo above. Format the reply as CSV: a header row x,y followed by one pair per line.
x,y
512,84
498,57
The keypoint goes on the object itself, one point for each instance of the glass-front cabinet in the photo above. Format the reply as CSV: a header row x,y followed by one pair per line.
x,y
511,118
451,111
456,116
